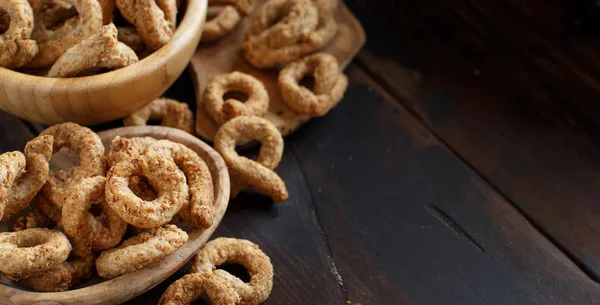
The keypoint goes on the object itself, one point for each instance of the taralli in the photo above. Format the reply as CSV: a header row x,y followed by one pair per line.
x,y
119,56
163,174
199,208
154,20
172,113
217,288
140,251
63,276
130,37
53,45
259,175
222,111
107,229
30,252
91,154
284,31
86,54
245,253
16,47
29,183
11,164
75,211
283,22
224,21
329,88
123,149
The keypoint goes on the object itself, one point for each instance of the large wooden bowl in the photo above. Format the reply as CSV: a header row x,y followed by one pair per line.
x,y
128,286
104,97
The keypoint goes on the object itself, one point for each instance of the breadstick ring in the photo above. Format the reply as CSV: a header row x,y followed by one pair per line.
x,y
11,164
123,149
225,20
16,49
221,111
163,174
245,253
119,56
86,54
199,208
140,251
330,84
107,229
155,21
62,276
259,175
130,37
91,154
216,288
172,113
283,22
31,252
21,20
87,23
29,183
75,211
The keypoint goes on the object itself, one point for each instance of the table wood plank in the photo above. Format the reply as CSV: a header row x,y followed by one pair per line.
x,y
523,125
397,205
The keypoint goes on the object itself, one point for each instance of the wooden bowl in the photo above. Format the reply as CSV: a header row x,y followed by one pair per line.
x,y
108,96
128,286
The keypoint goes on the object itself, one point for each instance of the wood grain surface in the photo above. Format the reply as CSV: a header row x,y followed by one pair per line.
x,y
521,108
224,56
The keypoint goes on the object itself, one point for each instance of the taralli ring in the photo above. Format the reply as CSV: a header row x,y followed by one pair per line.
x,y
222,111
86,54
11,164
53,45
16,47
163,174
172,113
62,276
218,288
31,252
123,149
245,253
329,88
28,184
91,154
199,209
140,251
225,20
259,175
75,211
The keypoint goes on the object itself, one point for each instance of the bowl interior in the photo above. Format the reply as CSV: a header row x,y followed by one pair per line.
x,y
128,286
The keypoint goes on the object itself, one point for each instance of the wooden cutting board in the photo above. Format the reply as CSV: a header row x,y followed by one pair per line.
x,y
225,56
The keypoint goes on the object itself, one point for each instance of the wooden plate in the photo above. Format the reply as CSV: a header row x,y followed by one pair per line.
x,y
130,285
225,56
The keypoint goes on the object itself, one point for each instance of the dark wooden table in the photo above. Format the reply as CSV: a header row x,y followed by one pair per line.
x,y
462,167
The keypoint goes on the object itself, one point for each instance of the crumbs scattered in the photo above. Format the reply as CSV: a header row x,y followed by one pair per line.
x,y
350,159
332,166
476,72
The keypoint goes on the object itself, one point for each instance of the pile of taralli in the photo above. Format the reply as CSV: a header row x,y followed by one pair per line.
x,y
68,38
116,212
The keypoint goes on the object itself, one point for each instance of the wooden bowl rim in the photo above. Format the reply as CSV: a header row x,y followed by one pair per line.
x,y
102,293
184,33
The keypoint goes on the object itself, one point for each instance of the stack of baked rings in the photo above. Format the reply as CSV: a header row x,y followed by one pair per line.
x,y
112,214
69,38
